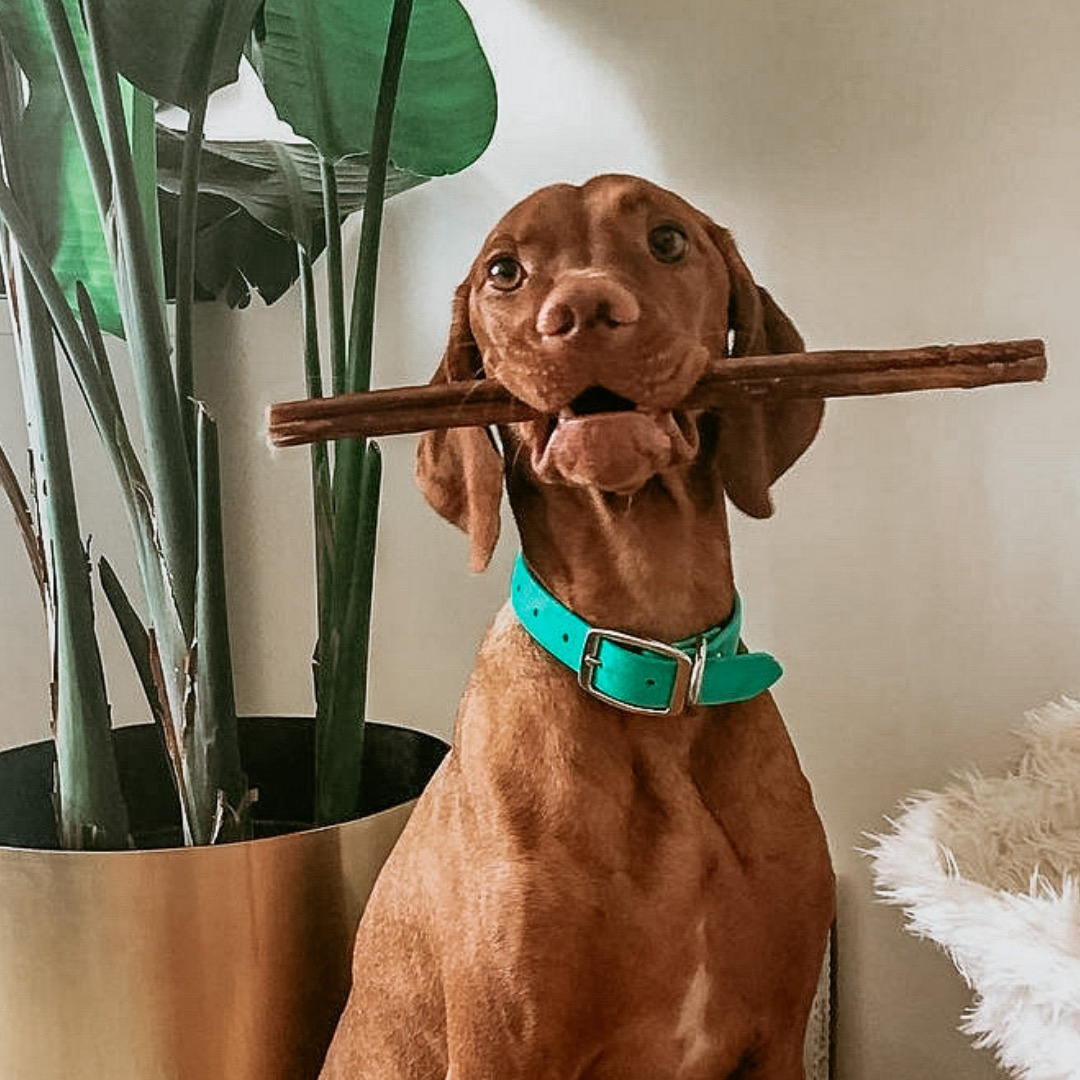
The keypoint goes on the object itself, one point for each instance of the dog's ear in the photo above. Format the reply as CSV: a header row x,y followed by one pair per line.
x,y
459,470
760,442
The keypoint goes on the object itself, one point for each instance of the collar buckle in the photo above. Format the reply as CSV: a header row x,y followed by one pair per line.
x,y
689,670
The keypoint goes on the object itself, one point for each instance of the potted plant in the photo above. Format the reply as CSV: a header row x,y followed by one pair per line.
x,y
230,959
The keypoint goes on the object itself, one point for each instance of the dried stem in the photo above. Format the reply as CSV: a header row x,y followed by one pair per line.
x,y
835,373
11,487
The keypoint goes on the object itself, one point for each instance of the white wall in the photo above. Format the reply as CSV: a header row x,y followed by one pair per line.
x,y
898,172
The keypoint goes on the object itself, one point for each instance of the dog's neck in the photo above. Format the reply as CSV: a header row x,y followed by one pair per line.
x,y
657,563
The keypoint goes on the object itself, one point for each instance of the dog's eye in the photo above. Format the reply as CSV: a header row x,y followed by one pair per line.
x,y
668,243
505,273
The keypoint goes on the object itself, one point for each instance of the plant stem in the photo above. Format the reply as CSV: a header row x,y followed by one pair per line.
x,y
335,278
186,230
132,631
357,471
90,805
88,361
361,332
9,482
187,221
339,735
309,317
322,491
168,465
218,784
80,355
83,347
169,569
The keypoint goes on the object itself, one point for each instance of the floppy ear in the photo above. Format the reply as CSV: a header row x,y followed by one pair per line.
x,y
459,470
760,442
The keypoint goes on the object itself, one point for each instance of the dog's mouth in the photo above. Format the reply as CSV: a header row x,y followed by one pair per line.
x,y
606,441
597,399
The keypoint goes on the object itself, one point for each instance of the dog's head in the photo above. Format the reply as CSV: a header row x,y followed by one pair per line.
x,y
601,306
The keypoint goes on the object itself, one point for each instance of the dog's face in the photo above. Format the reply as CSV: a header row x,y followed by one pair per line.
x,y
601,306
598,306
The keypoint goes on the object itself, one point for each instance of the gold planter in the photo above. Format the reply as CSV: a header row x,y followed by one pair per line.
x,y
227,963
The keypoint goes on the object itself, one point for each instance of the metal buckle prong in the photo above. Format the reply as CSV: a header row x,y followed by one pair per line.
x,y
697,675
689,671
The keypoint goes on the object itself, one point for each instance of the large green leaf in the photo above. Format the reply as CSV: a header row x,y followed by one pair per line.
x,y
257,201
59,196
321,60
178,52
277,183
235,252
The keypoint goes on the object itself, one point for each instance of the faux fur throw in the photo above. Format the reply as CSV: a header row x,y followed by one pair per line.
x,y
990,870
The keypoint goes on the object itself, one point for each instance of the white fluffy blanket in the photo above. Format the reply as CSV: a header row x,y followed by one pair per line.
x,y
990,870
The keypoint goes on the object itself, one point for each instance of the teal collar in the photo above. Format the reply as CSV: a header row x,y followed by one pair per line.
x,y
637,673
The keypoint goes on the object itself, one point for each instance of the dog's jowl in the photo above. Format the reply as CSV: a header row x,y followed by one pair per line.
x,y
618,872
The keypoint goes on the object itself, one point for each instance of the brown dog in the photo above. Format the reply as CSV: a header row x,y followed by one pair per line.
x,y
587,891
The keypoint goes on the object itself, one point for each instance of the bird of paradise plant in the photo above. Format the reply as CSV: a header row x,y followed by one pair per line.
x,y
385,94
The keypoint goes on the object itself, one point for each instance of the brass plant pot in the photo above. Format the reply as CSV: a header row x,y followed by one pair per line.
x,y
225,963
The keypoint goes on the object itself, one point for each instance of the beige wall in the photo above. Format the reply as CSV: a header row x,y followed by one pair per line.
x,y
898,172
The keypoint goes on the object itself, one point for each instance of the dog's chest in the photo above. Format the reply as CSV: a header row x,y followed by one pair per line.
x,y
665,853
667,919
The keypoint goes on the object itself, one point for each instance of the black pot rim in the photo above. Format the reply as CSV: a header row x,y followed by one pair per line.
x,y
398,762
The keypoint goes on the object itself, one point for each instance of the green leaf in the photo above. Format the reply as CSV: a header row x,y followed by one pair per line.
x,y
178,52
235,253
277,183
320,61
59,195
258,200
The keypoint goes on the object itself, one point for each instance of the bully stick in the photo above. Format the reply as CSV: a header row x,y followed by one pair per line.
x,y
835,373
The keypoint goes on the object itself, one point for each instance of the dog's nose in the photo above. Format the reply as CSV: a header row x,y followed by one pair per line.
x,y
586,301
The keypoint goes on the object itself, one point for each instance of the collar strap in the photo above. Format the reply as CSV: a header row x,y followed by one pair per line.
x,y
640,674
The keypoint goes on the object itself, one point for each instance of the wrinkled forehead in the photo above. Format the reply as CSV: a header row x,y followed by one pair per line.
x,y
605,204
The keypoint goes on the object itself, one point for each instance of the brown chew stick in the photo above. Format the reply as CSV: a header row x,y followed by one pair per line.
x,y
834,373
